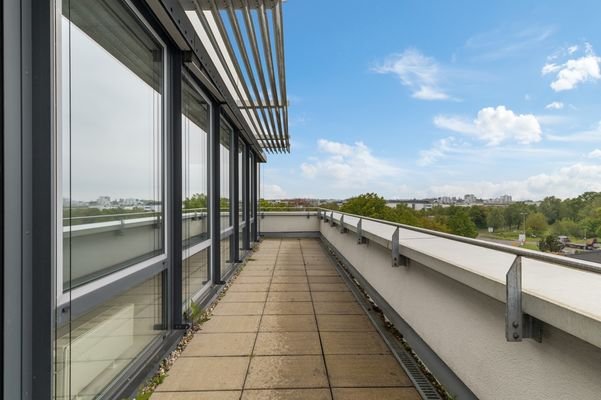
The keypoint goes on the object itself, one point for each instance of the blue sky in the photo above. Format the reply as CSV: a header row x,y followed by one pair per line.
x,y
427,98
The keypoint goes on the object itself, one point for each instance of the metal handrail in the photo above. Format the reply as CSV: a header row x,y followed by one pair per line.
x,y
550,258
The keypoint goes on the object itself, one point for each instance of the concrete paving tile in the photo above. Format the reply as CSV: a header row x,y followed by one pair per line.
x,y
210,395
344,323
253,279
401,393
325,279
232,324
365,371
289,287
249,287
336,308
281,372
250,272
289,272
353,343
287,343
320,267
288,308
287,394
328,287
322,272
289,279
242,308
215,373
333,296
288,296
288,323
220,344
238,297
284,267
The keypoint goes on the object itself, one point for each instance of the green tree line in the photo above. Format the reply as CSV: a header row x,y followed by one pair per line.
x,y
576,217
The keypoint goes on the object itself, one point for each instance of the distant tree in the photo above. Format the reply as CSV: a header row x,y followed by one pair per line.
x,y
496,218
553,209
197,200
566,227
478,216
550,243
369,205
536,224
330,206
405,215
460,223
512,214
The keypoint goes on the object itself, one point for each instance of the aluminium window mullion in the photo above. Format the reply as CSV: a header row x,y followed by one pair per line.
x,y
175,187
215,194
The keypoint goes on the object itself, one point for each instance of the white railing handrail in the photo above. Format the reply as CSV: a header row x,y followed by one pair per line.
x,y
550,258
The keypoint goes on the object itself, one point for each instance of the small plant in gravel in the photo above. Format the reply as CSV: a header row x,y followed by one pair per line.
x,y
196,315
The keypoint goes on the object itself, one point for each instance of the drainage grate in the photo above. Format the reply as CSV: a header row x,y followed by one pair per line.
x,y
421,382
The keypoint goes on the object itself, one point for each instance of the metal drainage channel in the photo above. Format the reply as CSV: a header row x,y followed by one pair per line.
x,y
422,384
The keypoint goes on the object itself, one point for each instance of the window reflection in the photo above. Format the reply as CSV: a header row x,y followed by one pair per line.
x,y
93,349
195,228
112,140
225,140
195,128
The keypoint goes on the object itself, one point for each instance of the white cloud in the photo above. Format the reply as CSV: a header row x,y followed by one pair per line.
x,y
439,150
550,68
273,192
591,135
495,125
574,71
350,166
418,72
507,41
595,154
556,105
569,181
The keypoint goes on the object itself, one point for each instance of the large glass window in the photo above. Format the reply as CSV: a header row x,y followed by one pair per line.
x,y
252,187
226,254
93,349
111,98
225,179
112,91
241,198
195,128
195,228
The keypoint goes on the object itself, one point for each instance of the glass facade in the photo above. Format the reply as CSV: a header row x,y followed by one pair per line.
x,y
114,229
93,349
226,254
195,275
195,173
112,140
241,198
225,179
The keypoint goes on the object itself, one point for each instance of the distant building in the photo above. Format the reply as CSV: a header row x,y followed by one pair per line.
x,y
104,202
505,199
470,198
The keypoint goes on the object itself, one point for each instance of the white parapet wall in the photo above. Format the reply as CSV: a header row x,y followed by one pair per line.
x,y
452,295
292,223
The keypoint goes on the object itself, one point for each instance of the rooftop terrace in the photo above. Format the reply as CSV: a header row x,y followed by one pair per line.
x,y
288,328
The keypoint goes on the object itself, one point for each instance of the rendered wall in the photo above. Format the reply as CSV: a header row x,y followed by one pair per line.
x,y
288,222
467,330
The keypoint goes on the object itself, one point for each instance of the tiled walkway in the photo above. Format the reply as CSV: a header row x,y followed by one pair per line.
x,y
289,329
